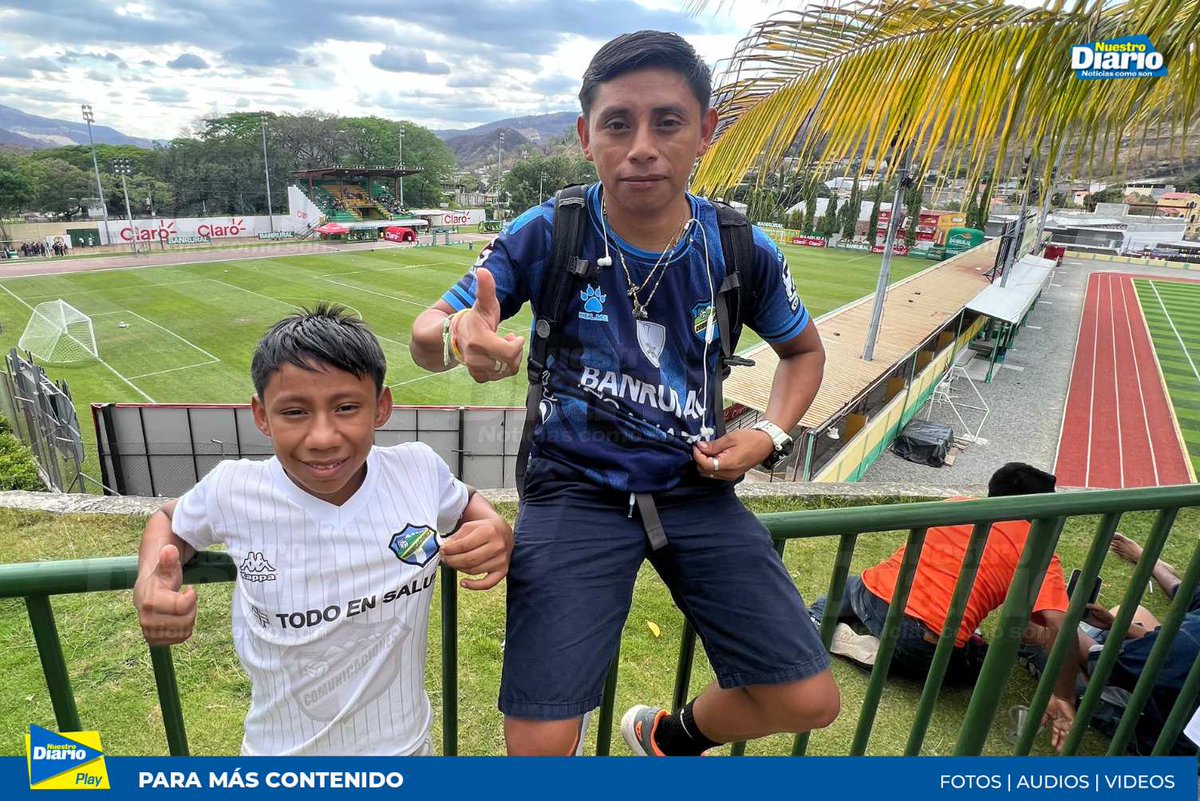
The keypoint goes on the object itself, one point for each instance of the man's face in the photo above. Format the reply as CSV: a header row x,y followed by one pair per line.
x,y
644,132
322,425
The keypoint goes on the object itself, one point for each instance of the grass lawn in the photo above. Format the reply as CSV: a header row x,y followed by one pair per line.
x,y
110,666
185,334
1172,312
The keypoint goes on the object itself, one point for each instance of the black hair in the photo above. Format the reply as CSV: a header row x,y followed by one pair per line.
x,y
1018,478
325,335
644,50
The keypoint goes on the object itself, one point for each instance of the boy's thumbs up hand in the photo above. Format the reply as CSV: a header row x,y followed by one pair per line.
x,y
486,355
166,614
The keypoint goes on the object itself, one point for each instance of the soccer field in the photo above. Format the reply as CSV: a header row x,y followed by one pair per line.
x,y
184,334
1172,310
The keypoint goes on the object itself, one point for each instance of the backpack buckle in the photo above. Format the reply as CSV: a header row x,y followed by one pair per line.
x,y
738,361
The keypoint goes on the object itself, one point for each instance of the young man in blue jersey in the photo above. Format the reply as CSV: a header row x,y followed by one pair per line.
x,y
623,464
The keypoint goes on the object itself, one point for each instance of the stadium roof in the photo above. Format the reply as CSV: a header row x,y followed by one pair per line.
x,y
358,171
1011,302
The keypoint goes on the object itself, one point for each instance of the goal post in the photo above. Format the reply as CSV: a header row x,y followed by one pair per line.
x,y
58,333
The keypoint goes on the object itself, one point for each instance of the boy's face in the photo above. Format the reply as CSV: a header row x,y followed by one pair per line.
x,y
644,133
322,425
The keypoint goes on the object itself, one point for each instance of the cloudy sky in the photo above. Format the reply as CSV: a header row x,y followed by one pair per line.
x,y
151,67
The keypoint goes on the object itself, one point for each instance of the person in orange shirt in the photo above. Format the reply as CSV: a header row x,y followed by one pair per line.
x,y
866,598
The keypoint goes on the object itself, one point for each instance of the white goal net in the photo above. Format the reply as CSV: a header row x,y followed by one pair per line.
x,y
59,333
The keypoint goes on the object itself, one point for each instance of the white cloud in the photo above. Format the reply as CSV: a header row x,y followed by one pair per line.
x,y
452,64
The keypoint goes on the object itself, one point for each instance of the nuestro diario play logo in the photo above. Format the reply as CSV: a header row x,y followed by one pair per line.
x,y
72,760
1130,57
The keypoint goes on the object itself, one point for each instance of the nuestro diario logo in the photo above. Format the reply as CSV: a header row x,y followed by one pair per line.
x,y
1130,57
72,760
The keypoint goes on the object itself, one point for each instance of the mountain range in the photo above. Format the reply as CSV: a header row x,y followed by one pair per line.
x,y
19,130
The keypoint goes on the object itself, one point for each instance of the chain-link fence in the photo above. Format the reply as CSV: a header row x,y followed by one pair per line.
x,y
42,416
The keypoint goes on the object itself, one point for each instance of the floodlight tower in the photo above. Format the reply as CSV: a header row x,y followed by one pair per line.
x,y
267,171
124,168
89,118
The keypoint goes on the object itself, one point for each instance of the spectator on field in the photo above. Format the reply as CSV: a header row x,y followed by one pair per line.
x,y
867,597
1135,651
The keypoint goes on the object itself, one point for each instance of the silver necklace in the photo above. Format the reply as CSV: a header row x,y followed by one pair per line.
x,y
639,307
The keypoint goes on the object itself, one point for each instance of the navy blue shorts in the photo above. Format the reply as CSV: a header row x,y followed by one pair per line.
x,y
570,584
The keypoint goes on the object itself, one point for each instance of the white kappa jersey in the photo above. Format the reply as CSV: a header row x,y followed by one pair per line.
x,y
331,606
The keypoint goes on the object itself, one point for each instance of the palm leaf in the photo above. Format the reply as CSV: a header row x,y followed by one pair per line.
x,y
954,84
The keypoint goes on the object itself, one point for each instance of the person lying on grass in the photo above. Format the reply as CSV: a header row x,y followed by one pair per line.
x,y
337,545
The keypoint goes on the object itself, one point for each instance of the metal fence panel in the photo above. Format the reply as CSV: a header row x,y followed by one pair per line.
x,y
163,450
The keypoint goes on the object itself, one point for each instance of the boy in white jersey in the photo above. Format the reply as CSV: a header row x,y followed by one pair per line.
x,y
337,548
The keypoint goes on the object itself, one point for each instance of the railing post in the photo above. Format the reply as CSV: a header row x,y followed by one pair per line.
x,y
833,602
1179,713
604,725
1108,655
945,646
887,640
1067,642
683,668
449,662
1158,656
168,699
54,664
1014,617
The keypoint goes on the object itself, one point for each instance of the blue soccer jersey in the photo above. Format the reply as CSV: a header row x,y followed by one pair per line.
x,y
626,398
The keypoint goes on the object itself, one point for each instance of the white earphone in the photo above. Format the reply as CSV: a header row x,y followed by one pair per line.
x,y
606,259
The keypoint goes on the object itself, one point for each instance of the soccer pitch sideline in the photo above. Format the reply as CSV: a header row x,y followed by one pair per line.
x,y
185,333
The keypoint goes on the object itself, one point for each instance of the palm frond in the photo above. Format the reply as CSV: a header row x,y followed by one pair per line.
x,y
950,84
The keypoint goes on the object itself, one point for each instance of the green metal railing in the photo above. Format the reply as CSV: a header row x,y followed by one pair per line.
x,y
35,583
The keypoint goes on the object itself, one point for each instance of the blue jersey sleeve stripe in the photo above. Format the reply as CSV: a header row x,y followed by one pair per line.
x,y
453,302
464,295
792,331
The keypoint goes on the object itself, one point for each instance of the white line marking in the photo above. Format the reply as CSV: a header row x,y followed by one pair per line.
x,y
401,267
380,294
1034,327
177,336
1128,285
1054,284
175,369
252,292
1112,328
1171,322
423,377
1047,302
1087,472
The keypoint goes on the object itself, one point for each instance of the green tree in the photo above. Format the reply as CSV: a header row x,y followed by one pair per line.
x,y
914,196
810,209
535,179
17,188
830,220
851,211
60,187
1111,194
873,223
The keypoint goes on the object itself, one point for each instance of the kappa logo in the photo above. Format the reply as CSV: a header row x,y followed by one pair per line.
x,y
71,760
593,304
415,545
652,338
255,567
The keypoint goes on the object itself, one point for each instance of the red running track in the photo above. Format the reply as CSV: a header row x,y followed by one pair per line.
x,y
1118,426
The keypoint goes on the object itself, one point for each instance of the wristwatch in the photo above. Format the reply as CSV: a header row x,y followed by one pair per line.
x,y
782,440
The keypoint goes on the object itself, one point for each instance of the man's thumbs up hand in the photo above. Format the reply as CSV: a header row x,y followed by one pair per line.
x,y
486,355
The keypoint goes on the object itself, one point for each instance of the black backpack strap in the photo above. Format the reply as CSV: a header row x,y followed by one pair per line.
x,y
737,245
565,268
